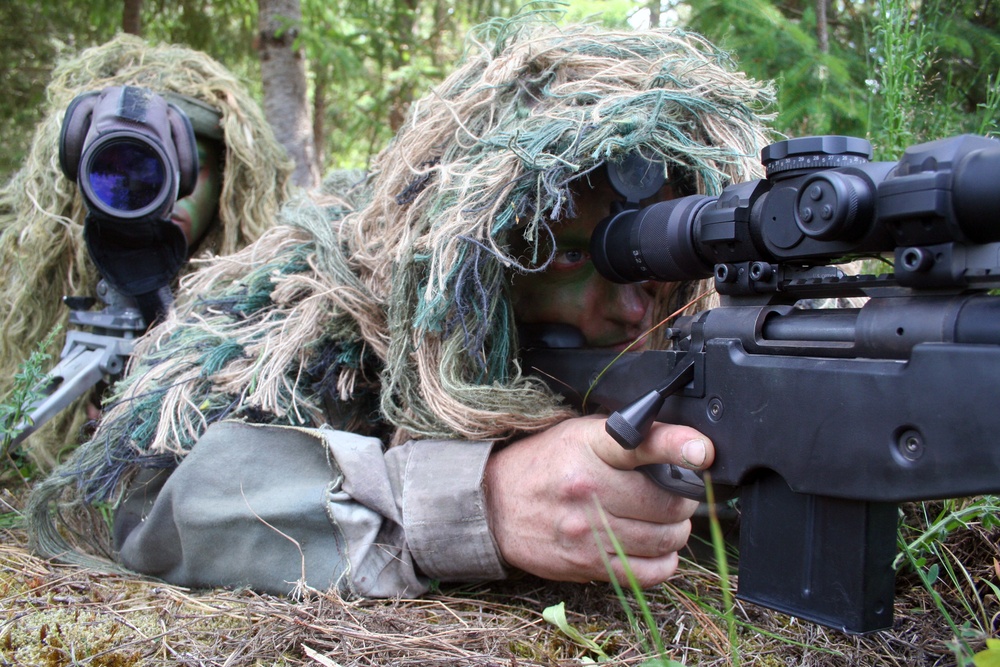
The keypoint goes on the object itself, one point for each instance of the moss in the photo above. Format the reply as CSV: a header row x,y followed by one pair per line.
x,y
51,619
57,636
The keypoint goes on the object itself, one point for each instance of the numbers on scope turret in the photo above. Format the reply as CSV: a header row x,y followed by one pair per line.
x,y
813,162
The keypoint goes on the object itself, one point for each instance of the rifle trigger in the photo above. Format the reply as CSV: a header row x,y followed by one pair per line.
x,y
629,425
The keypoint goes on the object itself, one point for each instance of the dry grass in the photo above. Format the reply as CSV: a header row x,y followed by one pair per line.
x,y
54,615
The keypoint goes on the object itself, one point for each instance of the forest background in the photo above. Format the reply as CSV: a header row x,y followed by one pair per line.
x,y
895,71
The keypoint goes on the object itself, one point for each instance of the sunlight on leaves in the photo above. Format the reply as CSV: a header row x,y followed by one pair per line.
x,y
990,657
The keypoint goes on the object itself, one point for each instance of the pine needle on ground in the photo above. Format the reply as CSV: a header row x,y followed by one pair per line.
x,y
53,615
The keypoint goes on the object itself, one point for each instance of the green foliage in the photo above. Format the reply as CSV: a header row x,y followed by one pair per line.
x,y
989,108
556,615
224,29
658,648
990,656
33,36
925,85
15,411
369,60
609,13
961,596
818,92
894,71
722,562
901,63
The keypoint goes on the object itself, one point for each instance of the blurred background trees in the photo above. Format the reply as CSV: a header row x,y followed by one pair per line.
x,y
896,71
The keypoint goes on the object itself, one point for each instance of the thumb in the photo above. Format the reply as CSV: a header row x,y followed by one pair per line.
x,y
664,443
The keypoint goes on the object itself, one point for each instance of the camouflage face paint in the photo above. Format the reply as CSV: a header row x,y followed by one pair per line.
x,y
194,214
571,291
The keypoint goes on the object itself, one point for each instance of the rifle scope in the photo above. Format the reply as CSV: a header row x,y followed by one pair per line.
x,y
821,201
132,153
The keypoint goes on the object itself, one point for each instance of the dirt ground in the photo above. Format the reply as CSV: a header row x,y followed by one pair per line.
x,y
53,615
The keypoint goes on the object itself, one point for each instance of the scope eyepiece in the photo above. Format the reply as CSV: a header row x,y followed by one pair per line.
x,y
126,177
656,242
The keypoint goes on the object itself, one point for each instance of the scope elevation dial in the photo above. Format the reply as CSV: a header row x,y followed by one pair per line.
x,y
793,156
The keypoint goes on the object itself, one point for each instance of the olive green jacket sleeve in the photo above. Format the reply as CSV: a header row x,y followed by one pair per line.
x,y
272,508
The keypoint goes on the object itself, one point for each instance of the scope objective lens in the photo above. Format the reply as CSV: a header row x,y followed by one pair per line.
x,y
126,175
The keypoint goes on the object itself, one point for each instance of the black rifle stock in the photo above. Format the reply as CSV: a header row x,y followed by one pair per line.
x,y
824,420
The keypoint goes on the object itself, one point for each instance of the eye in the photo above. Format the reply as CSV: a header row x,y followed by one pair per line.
x,y
569,259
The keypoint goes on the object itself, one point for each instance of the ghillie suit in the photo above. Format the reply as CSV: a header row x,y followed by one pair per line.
x,y
390,314
42,214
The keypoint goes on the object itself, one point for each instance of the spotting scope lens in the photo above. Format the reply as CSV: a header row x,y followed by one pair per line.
x,y
132,153
126,176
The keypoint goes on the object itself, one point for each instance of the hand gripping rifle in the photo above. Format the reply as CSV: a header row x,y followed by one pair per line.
x,y
824,420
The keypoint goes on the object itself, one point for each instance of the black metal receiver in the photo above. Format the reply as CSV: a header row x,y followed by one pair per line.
x,y
823,419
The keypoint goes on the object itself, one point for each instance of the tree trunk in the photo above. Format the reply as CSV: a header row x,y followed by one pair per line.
x,y
654,13
282,71
822,29
404,22
320,85
132,17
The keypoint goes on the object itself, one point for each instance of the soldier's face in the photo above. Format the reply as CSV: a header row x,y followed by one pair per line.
x,y
571,291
